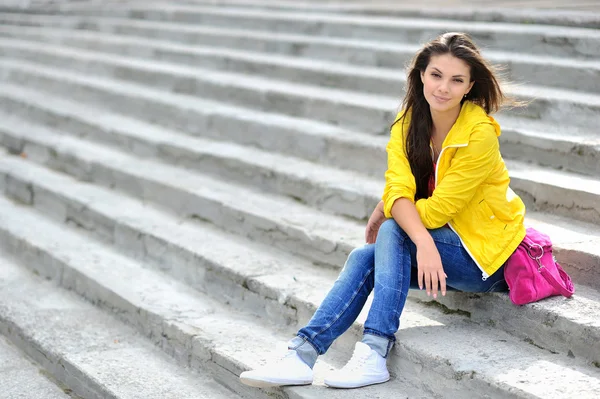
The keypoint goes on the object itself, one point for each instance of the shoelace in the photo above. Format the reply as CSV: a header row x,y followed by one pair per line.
x,y
356,362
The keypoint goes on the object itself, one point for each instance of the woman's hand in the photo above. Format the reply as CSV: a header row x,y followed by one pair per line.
x,y
431,271
374,223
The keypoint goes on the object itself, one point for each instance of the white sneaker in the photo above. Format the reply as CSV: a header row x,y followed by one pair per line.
x,y
366,367
288,370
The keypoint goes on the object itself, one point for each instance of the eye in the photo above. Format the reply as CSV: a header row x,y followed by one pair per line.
x,y
435,74
458,80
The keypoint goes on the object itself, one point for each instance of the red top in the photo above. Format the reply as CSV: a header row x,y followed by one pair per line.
x,y
431,183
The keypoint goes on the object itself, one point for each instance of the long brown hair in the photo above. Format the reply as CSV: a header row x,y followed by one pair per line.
x,y
485,92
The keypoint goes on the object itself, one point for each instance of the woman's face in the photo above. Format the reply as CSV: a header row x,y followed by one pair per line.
x,y
445,82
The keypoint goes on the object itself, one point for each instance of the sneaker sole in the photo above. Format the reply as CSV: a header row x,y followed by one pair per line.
x,y
351,386
271,383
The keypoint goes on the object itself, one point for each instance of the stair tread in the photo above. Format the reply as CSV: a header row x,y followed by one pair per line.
x,y
79,336
379,21
362,185
491,13
20,378
545,136
471,349
211,106
172,141
182,314
565,232
264,84
359,43
309,62
305,284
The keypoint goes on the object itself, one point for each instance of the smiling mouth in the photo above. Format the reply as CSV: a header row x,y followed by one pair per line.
x,y
442,99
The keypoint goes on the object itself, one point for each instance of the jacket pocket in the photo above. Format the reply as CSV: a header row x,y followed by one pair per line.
x,y
490,217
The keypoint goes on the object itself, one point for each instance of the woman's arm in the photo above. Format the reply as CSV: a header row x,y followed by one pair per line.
x,y
469,168
429,262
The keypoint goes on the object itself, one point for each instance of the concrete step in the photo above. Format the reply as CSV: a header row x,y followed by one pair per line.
x,y
183,321
368,112
532,12
20,378
547,71
302,138
312,141
538,39
297,98
89,352
334,190
180,246
341,107
344,193
85,345
278,220
195,330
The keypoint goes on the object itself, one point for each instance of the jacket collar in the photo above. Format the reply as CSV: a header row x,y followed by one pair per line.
x,y
470,115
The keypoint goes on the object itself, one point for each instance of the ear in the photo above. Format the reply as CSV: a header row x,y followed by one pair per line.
x,y
423,77
470,87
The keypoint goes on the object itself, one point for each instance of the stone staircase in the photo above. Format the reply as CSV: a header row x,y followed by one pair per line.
x,y
183,181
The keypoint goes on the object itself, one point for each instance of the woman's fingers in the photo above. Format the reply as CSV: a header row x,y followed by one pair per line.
x,y
369,235
432,280
442,277
434,284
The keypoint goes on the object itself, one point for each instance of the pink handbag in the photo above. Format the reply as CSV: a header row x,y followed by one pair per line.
x,y
532,273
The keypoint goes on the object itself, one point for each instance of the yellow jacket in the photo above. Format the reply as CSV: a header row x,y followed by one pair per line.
x,y
471,191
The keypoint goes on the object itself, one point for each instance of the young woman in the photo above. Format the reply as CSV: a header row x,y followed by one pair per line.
x,y
448,219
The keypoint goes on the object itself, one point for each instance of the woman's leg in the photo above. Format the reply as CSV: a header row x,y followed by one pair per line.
x,y
393,263
340,308
463,273
392,272
338,311
396,271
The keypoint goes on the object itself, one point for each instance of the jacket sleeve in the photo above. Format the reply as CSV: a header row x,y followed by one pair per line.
x,y
469,168
399,180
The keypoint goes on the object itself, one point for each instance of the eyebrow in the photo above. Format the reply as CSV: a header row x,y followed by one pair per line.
x,y
455,76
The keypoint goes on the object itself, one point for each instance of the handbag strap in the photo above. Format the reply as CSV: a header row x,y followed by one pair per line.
x,y
567,289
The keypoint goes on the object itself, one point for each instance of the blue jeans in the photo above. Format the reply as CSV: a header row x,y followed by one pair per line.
x,y
388,268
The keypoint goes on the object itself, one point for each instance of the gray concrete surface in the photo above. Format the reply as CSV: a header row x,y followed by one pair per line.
x,y
85,349
537,39
563,193
161,307
198,332
20,378
384,60
105,224
275,112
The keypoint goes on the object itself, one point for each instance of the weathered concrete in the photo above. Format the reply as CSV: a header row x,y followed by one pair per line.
x,y
579,157
280,139
560,192
302,138
20,378
85,349
571,330
537,39
578,13
185,313
371,112
534,69
198,332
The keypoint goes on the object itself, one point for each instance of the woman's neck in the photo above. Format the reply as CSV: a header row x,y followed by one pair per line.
x,y
443,122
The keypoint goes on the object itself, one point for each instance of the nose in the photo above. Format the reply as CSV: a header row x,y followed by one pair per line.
x,y
443,88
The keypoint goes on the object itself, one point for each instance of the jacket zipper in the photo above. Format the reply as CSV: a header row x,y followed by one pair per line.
x,y
484,275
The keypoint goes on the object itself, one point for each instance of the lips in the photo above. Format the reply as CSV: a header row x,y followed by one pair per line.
x,y
441,99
